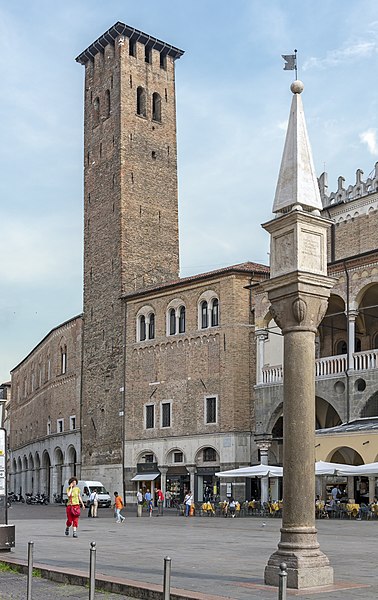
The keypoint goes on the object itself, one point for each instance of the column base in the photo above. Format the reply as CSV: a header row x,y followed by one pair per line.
x,y
306,565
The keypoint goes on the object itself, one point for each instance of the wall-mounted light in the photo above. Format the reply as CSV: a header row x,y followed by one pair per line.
x,y
364,443
317,445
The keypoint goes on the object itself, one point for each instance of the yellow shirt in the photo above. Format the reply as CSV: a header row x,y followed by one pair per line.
x,y
74,499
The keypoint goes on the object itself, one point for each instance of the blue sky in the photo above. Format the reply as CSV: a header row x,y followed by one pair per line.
x,y
233,101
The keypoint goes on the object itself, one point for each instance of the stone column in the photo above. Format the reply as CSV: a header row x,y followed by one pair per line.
x,y
163,480
351,337
298,308
371,489
191,470
263,444
261,337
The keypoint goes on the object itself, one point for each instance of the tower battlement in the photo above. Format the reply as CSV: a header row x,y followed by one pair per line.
x,y
133,36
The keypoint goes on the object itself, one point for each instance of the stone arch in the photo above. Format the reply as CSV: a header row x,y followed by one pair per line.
x,y
71,460
45,480
19,476
31,474
169,457
207,454
333,329
345,455
326,414
141,456
57,483
367,320
370,409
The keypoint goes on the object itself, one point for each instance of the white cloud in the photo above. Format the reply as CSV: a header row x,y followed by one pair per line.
x,y
349,52
369,137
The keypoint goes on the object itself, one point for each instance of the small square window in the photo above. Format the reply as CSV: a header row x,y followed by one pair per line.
x,y
178,457
209,455
150,416
148,458
60,425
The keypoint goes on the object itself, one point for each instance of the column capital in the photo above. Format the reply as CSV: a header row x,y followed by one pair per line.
x,y
163,469
263,441
261,334
299,301
190,468
352,315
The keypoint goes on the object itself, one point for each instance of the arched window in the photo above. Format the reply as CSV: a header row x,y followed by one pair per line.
x,y
172,321
215,313
141,102
341,347
156,107
63,360
204,315
96,111
107,103
182,319
142,328
151,327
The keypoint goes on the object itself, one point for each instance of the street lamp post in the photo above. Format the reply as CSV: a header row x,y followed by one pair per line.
x,y
7,532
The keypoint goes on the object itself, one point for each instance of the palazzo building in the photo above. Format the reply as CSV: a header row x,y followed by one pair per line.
x,y
163,381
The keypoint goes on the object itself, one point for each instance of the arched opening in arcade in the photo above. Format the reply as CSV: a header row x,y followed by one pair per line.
x,y
45,481
352,488
58,472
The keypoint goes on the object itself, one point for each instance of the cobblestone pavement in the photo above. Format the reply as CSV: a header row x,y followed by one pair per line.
x,y
13,586
214,556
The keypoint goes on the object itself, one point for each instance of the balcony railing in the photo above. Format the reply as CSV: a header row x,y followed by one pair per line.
x,y
327,366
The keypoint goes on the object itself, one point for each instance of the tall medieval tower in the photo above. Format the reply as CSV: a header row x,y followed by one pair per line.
x,y
130,218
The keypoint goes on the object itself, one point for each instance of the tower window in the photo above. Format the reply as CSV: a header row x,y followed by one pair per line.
x,y
163,60
147,54
141,102
156,107
107,104
63,360
96,111
132,47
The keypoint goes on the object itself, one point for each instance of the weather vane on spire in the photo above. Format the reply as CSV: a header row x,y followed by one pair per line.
x,y
291,62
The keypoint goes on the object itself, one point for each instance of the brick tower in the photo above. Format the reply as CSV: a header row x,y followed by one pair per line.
x,y
130,217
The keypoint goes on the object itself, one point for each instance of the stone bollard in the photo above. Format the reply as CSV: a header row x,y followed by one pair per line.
x,y
139,510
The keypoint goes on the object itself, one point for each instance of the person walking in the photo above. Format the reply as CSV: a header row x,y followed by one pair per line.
x,y
188,501
93,503
160,501
73,507
148,499
118,505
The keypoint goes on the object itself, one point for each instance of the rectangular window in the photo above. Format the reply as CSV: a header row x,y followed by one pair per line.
x,y
60,425
178,457
211,409
166,414
72,422
148,458
150,416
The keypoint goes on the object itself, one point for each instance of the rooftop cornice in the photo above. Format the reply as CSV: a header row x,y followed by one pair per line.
x,y
118,29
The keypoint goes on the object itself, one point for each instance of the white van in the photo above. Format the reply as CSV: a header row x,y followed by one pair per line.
x,y
86,488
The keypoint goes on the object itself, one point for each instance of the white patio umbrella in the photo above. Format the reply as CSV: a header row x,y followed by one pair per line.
x,y
338,469
255,471
368,469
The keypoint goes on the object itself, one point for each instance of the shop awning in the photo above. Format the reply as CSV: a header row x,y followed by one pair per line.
x,y
145,477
